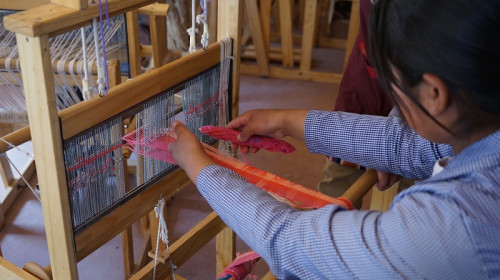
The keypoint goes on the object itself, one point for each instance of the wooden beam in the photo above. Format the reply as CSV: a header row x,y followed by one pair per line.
x,y
257,37
5,171
158,32
22,4
381,200
10,271
120,218
47,146
134,52
265,22
229,20
17,186
225,249
286,32
53,19
185,247
294,74
361,186
156,9
310,14
74,4
85,115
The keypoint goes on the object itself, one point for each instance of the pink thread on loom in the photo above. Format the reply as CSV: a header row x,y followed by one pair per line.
x,y
256,141
300,196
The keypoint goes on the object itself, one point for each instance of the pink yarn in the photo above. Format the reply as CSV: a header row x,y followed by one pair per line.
x,y
255,141
241,267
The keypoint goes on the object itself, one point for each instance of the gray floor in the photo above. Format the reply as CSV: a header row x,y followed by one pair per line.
x,y
22,239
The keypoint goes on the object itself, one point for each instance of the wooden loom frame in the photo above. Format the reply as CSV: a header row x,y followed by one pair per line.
x,y
33,29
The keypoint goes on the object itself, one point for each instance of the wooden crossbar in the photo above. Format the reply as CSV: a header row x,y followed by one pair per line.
x,y
88,114
52,19
185,247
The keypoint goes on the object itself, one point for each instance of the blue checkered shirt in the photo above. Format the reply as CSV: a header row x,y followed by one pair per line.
x,y
447,226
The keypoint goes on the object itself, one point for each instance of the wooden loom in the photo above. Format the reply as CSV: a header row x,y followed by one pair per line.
x,y
33,29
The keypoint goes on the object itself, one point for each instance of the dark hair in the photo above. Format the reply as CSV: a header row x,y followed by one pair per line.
x,y
458,41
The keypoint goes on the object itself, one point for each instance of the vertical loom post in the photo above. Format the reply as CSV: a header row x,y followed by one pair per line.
x,y
309,29
230,19
47,146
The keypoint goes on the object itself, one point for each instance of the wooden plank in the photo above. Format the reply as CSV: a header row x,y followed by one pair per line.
x,y
126,214
74,4
5,171
257,37
273,56
286,28
333,43
361,186
53,19
153,227
212,21
185,247
10,271
22,4
381,200
47,146
158,31
268,276
229,19
156,9
134,56
16,138
127,238
309,28
265,22
17,186
225,249
294,74
85,115
352,33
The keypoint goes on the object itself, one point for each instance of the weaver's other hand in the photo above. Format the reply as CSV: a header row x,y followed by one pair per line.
x,y
386,180
273,123
188,151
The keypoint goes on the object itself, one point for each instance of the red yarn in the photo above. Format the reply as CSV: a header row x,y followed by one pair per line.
x,y
241,267
298,195
255,141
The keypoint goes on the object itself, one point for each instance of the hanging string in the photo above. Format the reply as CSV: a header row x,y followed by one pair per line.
x,y
203,19
162,234
22,177
103,90
192,31
85,80
17,148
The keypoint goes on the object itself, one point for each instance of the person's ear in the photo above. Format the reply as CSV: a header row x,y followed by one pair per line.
x,y
434,94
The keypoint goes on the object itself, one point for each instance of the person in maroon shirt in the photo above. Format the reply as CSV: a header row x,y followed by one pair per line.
x,y
359,92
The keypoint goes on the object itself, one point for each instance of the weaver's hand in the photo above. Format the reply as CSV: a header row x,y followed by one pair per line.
x,y
273,123
188,151
386,180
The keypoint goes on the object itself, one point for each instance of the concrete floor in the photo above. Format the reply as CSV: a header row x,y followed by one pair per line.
x,y
22,239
